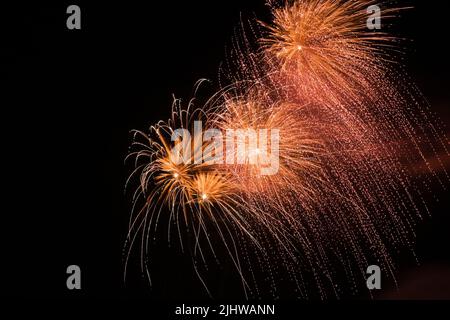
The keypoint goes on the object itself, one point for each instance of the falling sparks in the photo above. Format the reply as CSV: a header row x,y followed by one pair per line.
x,y
351,128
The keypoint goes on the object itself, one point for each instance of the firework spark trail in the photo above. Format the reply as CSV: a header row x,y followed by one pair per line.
x,y
319,53
351,128
310,194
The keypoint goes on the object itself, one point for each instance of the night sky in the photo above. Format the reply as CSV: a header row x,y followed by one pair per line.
x,y
72,96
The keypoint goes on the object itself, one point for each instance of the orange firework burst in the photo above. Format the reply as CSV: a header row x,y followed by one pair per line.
x,y
281,133
327,44
194,192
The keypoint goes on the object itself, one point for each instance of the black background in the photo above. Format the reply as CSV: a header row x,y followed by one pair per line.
x,y
69,101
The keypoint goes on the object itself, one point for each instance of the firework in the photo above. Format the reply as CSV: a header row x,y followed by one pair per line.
x,y
346,136
326,46
194,193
